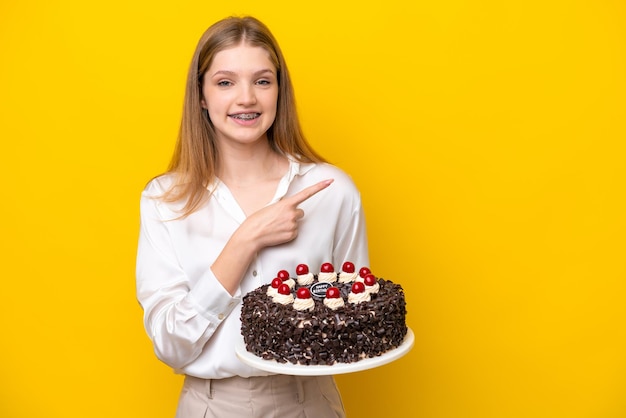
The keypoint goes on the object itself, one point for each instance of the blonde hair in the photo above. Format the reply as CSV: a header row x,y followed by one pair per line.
x,y
195,156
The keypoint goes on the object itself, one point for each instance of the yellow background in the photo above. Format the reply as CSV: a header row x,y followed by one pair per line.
x,y
486,136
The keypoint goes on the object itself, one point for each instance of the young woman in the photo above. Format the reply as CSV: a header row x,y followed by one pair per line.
x,y
245,196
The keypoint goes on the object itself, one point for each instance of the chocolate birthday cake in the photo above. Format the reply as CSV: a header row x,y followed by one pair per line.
x,y
332,317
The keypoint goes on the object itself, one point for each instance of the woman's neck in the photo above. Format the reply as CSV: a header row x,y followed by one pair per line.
x,y
248,166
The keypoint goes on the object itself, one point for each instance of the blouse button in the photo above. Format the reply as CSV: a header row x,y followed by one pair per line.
x,y
254,273
220,316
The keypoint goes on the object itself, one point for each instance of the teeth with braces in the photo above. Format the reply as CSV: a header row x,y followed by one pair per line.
x,y
246,116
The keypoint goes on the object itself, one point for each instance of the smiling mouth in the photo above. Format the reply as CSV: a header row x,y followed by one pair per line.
x,y
246,116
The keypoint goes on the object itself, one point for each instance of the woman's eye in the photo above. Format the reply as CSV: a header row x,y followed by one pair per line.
x,y
224,83
264,82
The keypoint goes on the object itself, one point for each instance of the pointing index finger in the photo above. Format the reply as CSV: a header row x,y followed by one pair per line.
x,y
310,191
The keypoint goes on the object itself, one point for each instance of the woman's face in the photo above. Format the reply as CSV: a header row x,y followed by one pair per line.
x,y
240,92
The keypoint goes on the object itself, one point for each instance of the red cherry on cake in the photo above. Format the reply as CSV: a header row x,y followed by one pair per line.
x,y
303,293
370,280
283,275
332,293
364,272
348,267
276,282
327,268
302,269
284,289
358,287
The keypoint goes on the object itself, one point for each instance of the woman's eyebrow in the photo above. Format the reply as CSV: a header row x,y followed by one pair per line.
x,y
234,73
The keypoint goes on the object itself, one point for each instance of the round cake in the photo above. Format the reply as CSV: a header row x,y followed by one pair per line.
x,y
325,318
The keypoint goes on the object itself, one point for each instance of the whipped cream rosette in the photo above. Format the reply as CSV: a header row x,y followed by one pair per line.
x,y
273,288
371,284
327,273
363,271
303,275
333,298
348,273
283,295
358,294
286,278
303,301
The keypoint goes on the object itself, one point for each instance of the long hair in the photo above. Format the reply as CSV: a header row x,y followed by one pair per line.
x,y
196,155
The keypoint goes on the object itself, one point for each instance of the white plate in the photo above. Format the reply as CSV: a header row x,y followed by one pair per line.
x,y
319,370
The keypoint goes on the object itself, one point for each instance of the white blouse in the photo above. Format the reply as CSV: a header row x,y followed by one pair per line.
x,y
192,320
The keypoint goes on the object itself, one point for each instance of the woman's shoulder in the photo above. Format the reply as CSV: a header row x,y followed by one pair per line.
x,y
326,170
155,197
342,181
159,185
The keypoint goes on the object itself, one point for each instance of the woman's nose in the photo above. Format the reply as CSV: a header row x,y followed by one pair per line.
x,y
246,95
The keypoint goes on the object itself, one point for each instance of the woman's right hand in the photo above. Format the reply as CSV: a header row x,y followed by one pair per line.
x,y
278,223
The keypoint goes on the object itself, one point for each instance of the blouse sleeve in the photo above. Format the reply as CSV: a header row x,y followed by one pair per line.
x,y
179,317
